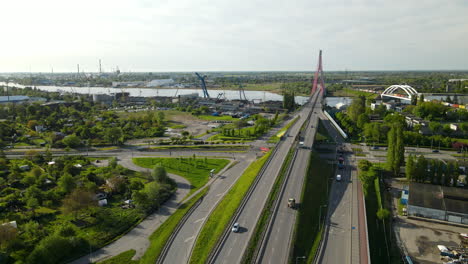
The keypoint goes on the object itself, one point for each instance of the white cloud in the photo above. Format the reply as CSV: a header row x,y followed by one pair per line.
x,y
234,35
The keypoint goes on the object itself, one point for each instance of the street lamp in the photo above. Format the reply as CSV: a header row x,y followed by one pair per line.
x,y
302,257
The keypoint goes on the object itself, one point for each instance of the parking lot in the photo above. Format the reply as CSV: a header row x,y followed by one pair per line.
x,y
420,238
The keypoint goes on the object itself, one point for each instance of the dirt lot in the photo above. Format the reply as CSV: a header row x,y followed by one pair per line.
x,y
420,238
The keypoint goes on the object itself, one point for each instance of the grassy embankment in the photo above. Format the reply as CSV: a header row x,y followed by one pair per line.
x,y
267,210
276,138
222,214
195,170
123,258
237,147
354,93
382,245
308,232
159,238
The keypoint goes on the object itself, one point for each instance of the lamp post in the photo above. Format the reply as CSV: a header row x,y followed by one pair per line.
x,y
301,257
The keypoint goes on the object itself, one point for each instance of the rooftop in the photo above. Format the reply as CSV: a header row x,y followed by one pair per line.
x,y
439,197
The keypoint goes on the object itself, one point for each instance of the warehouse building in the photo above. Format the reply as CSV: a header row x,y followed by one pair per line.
x,y
438,202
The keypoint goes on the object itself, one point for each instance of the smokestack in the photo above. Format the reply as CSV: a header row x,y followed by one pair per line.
x,y
100,69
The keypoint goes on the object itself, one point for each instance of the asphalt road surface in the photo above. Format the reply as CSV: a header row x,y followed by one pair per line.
x,y
179,250
279,234
235,244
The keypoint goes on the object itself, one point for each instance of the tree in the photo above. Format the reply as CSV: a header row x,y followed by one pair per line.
x,y
396,148
383,214
72,141
410,167
364,165
79,199
362,120
114,135
66,183
357,107
421,169
435,127
159,174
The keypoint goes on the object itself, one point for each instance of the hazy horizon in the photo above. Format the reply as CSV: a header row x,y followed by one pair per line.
x,y
225,36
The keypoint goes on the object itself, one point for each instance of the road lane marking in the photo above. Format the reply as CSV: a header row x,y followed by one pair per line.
x,y
188,239
201,219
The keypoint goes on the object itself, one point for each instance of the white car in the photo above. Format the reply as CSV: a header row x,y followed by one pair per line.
x,y
338,177
235,228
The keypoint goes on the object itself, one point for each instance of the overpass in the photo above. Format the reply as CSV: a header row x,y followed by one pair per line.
x,y
402,92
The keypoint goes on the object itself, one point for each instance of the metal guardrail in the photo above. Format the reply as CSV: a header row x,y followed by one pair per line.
x,y
259,252
214,253
258,255
169,242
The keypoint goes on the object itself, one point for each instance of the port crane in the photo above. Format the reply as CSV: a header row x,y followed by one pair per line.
x,y
203,85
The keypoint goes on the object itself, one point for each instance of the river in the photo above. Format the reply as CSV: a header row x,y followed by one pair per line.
x,y
149,92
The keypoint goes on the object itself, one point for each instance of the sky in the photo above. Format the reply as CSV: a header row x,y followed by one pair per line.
x,y
234,35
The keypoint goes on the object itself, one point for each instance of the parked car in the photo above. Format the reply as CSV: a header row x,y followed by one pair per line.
x,y
338,177
435,151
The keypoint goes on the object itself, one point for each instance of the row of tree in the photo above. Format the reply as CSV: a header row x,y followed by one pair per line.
x,y
439,172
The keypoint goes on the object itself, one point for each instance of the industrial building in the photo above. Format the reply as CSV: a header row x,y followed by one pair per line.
x,y
20,99
438,202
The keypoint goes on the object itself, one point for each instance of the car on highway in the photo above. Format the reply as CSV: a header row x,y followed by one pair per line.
x,y
235,228
338,177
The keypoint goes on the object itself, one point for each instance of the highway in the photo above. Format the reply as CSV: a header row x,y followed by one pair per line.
x,y
345,229
234,245
279,233
179,249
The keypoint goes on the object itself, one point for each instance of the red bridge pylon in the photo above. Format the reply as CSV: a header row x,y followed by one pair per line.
x,y
318,79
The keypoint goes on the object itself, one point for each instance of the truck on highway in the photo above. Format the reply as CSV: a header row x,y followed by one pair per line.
x,y
292,203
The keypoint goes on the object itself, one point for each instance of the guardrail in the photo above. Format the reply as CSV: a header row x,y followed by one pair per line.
x,y
214,253
260,251
258,255
342,133
169,242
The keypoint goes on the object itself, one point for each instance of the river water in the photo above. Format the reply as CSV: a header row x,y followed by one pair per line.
x,y
149,92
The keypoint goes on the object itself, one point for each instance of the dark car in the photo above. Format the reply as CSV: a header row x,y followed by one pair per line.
x,y
435,151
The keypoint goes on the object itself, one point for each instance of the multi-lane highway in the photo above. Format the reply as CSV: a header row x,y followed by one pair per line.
x,y
278,236
180,247
234,245
345,238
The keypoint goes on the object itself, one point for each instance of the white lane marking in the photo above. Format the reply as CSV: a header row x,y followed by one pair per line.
x,y
188,239
199,220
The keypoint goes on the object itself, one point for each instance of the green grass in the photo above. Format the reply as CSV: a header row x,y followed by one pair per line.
x,y
216,118
276,138
354,93
400,207
322,134
224,211
159,237
307,233
123,258
178,126
267,210
107,148
202,147
194,170
380,232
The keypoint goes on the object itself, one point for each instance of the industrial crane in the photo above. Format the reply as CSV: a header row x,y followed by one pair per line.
x,y
242,93
203,85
